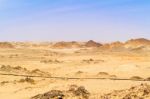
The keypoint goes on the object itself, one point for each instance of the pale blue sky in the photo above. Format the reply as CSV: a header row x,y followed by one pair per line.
x,y
56,20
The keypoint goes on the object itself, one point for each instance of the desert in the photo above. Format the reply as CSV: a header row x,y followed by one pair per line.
x,y
74,49
75,70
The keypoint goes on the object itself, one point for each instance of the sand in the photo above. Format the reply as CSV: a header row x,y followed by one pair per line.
x,y
45,61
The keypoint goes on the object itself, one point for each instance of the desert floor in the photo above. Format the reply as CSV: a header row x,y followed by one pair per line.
x,y
78,63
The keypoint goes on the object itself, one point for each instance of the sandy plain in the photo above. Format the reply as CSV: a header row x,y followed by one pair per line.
x,y
99,71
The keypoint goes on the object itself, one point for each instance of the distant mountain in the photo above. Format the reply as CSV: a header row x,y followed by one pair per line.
x,y
75,44
137,42
6,45
113,46
62,44
92,43
133,44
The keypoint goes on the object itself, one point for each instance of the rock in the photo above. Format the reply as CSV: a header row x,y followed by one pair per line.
x,y
53,94
137,92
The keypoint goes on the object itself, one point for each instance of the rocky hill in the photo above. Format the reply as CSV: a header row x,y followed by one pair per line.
x,y
92,43
6,45
72,44
137,42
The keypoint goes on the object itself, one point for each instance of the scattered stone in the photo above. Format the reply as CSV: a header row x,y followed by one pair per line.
x,y
136,78
148,79
137,92
39,72
53,94
4,82
51,61
73,92
79,91
103,74
19,69
79,72
28,80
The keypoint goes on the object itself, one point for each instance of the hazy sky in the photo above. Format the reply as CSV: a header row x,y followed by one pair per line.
x,y
56,20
